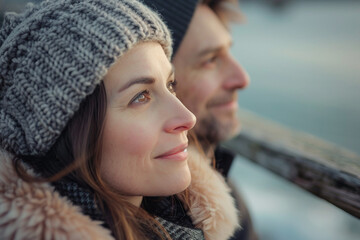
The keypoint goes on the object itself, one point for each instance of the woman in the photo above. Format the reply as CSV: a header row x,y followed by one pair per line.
x,y
89,124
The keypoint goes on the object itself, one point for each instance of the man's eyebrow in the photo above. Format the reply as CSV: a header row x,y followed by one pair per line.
x,y
212,50
208,51
144,80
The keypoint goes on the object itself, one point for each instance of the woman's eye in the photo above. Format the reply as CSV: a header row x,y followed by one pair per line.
x,y
172,86
140,98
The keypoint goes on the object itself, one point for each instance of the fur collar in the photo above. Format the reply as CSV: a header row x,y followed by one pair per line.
x,y
36,211
212,208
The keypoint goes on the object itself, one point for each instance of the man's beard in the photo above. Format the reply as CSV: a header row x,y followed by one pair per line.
x,y
210,132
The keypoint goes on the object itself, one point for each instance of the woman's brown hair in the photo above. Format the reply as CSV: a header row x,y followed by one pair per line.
x,y
76,156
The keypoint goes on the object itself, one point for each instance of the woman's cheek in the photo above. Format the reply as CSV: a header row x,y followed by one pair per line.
x,y
139,139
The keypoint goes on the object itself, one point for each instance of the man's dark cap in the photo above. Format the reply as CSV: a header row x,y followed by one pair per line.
x,y
177,15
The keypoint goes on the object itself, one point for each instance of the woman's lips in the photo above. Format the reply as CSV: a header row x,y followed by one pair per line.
x,y
178,153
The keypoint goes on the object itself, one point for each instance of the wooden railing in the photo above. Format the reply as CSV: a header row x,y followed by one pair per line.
x,y
324,169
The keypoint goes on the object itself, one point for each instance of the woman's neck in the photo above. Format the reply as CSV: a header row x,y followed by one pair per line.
x,y
135,200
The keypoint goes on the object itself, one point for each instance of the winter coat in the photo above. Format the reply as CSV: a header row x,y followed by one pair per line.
x,y
38,211
224,159
173,210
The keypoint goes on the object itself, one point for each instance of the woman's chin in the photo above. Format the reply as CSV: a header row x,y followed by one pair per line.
x,y
175,185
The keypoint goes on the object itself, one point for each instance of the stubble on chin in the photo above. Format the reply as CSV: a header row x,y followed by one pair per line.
x,y
210,132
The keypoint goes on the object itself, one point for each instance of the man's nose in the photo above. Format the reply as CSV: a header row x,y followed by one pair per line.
x,y
236,77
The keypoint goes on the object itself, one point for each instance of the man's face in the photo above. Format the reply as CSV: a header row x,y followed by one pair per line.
x,y
208,77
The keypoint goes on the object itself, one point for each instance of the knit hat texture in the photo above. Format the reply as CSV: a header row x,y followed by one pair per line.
x,y
177,15
54,54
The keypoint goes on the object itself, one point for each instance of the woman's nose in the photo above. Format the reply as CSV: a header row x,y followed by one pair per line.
x,y
180,118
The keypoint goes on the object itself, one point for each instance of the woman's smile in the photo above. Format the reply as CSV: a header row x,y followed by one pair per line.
x,y
178,153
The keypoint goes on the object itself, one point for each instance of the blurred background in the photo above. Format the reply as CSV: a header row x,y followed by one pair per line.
x,y
303,58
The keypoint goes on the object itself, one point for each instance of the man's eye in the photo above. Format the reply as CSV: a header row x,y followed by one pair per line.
x,y
210,61
140,98
172,86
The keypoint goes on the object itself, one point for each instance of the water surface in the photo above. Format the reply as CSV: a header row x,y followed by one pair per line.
x,y
304,63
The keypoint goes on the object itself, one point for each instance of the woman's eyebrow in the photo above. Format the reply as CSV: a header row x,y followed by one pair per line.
x,y
140,80
144,80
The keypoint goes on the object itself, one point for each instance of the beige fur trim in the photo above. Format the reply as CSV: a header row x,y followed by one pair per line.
x,y
36,211
212,207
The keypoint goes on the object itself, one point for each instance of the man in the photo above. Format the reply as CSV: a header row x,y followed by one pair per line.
x,y
208,76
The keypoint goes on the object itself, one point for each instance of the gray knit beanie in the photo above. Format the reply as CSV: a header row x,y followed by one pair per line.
x,y
54,54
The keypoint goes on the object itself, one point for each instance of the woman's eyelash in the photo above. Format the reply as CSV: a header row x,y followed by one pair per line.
x,y
172,86
142,97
